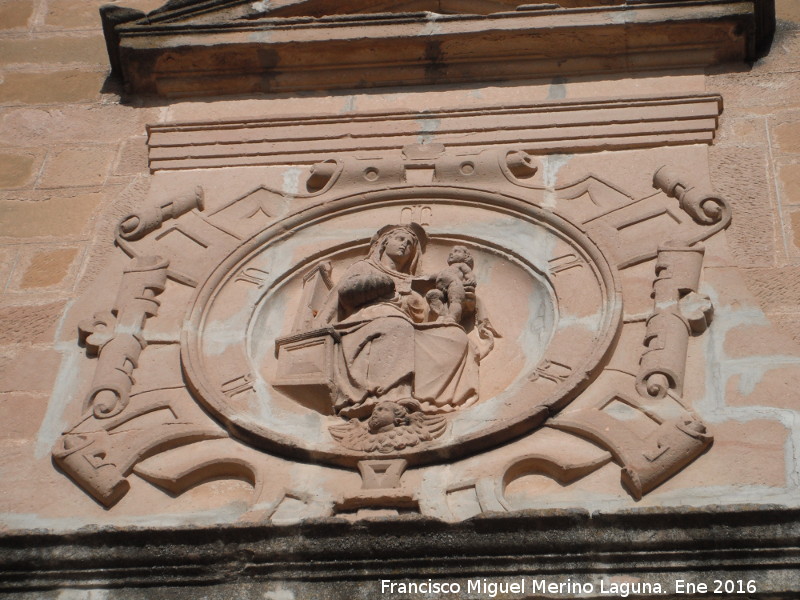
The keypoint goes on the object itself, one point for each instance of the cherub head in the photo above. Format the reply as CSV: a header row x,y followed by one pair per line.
x,y
387,415
392,426
460,254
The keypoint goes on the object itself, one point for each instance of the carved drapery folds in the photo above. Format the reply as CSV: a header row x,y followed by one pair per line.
x,y
422,308
393,350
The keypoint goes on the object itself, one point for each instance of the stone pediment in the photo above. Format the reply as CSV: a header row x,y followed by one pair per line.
x,y
187,11
236,47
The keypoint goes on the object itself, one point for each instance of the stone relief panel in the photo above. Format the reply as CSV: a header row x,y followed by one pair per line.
x,y
399,316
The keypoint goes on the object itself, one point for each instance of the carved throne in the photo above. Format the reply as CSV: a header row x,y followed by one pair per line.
x,y
305,356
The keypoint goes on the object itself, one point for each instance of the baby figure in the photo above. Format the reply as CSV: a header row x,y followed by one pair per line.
x,y
449,299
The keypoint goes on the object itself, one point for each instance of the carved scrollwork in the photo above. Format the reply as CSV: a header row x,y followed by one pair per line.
x,y
521,164
322,174
703,205
96,332
651,439
138,225
87,459
674,444
679,311
307,338
115,336
100,453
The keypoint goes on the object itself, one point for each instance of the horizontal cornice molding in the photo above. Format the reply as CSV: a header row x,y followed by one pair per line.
x,y
543,128
335,558
173,55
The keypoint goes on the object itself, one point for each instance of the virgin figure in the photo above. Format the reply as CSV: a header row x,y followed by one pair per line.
x,y
390,350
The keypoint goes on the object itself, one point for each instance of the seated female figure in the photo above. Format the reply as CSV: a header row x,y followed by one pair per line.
x,y
389,351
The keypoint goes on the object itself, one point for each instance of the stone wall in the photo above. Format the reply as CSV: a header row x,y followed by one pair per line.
x,y
755,162
74,161
68,149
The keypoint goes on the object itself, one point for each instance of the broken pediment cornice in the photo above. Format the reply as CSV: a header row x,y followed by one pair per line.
x,y
234,47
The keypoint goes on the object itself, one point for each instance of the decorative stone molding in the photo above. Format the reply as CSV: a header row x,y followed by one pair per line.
x,y
115,336
651,545
548,127
425,307
236,47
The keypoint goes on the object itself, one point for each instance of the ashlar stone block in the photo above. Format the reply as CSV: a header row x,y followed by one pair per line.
x,y
47,268
56,215
20,167
76,166
15,14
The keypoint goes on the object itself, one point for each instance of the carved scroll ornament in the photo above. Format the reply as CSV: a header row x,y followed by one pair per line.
x,y
416,331
679,310
116,336
100,450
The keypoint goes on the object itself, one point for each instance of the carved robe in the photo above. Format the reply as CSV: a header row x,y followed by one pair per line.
x,y
389,352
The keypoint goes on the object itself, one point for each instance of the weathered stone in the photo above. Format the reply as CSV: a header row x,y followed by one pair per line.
x,y
787,10
15,14
59,216
456,49
760,449
579,126
784,49
25,480
758,340
29,323
207,561
47,268
413,395
132,158
29,370
777,288
794,220
770,387
68,167
50,88
789,181
227,374
20,168
21,414
80,14
71,124
788,323
743,177
739,131
53,50
761,93
787,136
8,256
